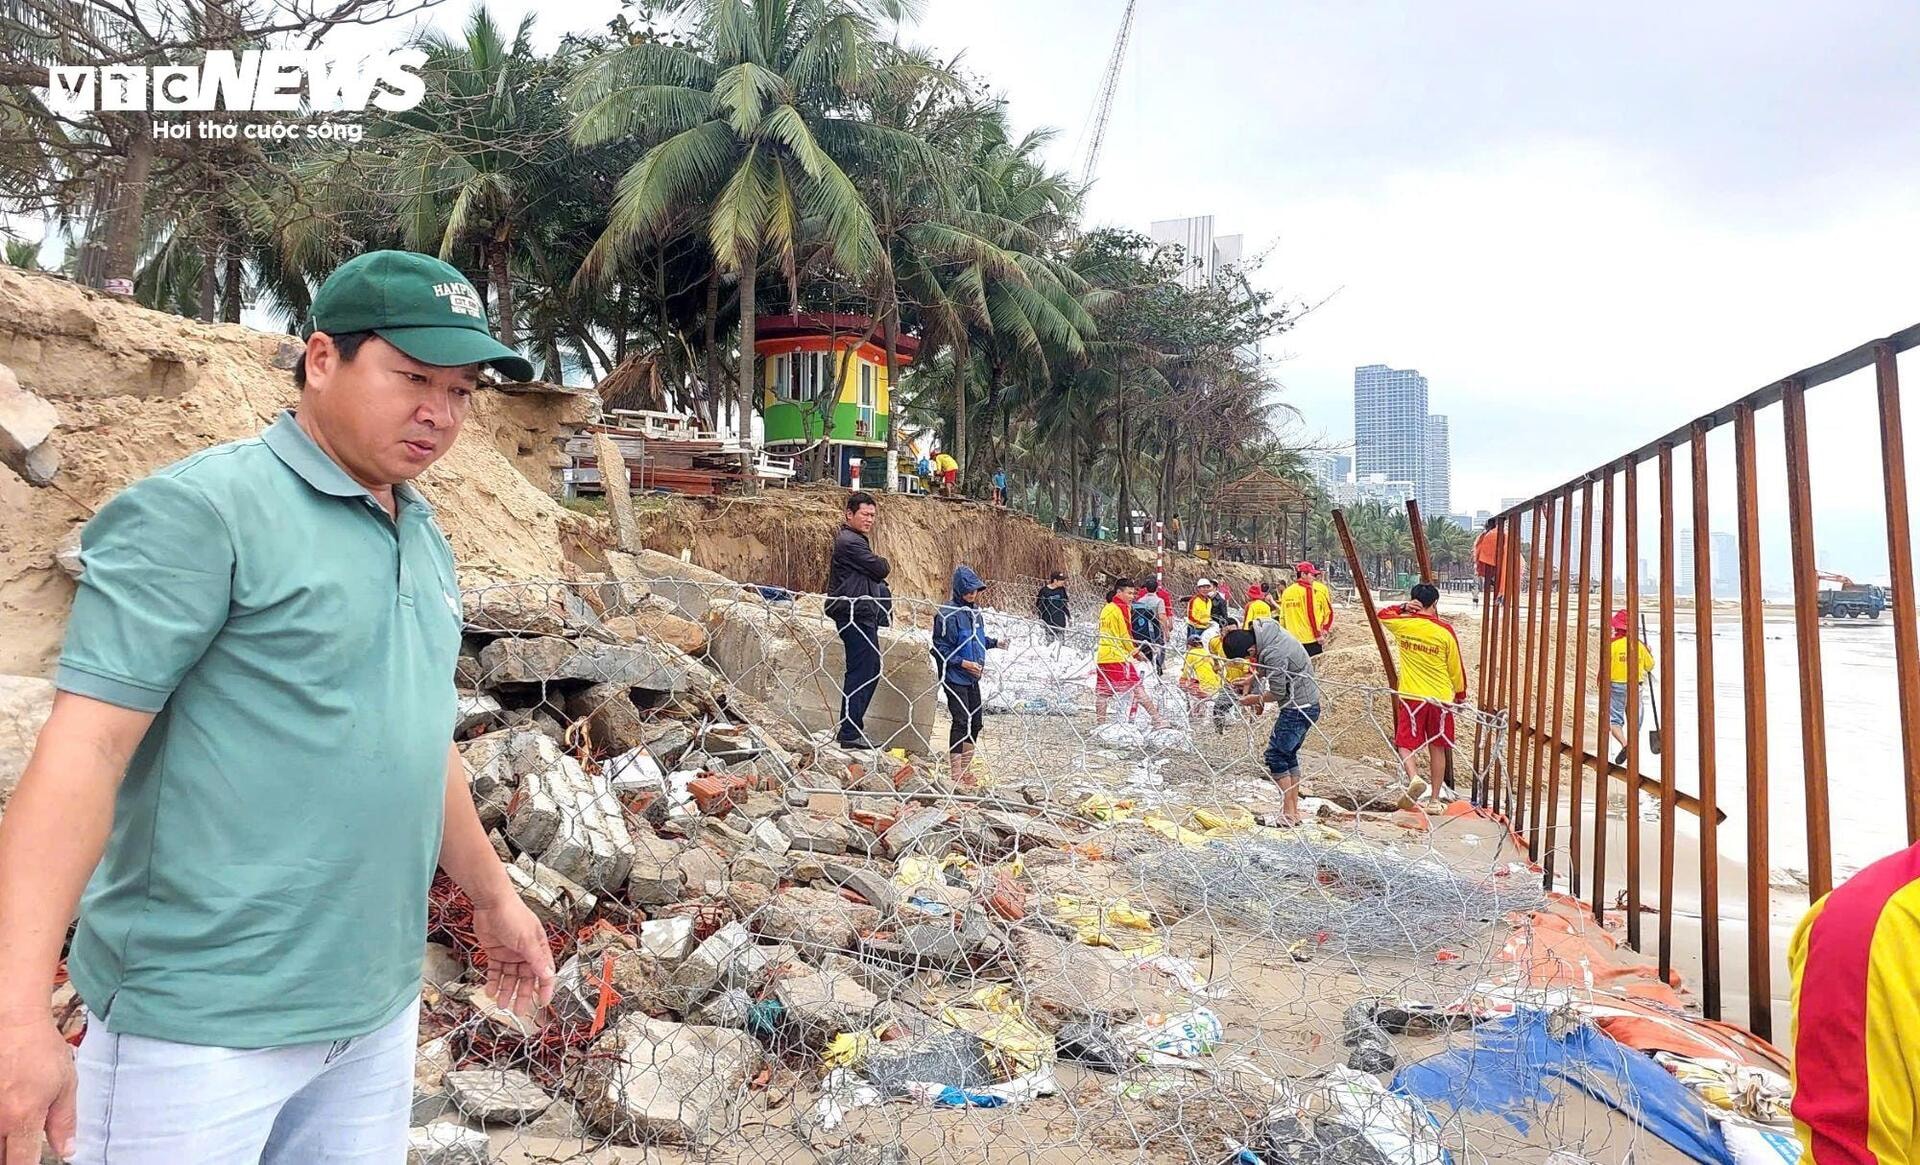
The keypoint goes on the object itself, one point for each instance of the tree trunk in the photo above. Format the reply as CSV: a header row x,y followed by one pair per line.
x,y
503,282
962,361
1073,487
1126,479
749,363
209,283
890,340
711,397
128,210
230,287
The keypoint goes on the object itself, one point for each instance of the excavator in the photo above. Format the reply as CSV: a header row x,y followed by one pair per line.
x,y
1848,598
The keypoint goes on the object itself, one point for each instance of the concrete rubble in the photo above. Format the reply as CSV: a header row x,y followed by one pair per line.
x,y
733,895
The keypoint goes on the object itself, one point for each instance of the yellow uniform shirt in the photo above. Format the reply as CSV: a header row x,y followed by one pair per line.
x,y
1116,635
1199,610
1430,663
1306,611
1198,667
1257,609
1617,654
944,463
1856,1033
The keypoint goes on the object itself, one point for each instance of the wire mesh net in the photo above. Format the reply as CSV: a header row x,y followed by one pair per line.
x,y
1092,937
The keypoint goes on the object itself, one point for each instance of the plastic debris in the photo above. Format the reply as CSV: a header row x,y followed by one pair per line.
x,y
1184,972
1359,1116
1092,1044
1175,1041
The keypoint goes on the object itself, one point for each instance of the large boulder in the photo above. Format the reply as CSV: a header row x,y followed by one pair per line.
x,y
793,663
691,589
651,667
25,703
815,921
649,1080
657,619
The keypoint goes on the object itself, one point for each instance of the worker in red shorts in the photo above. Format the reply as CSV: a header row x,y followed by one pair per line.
x,y
1433,679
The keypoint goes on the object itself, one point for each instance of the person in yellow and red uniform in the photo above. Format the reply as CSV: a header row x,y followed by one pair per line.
x,y
1116,650
1257,606
1433,678
1306,608
1855,961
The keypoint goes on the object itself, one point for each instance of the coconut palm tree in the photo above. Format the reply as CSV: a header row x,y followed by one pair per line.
x,y
470,164
757,113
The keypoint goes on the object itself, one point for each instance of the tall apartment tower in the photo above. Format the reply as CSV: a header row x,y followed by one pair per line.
x,y
1207,255
1436,490
1390,425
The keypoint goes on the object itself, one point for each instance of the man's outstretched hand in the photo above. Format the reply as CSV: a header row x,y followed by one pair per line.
x,y
36,1089
519,962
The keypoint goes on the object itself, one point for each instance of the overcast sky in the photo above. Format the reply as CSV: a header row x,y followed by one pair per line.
x,y
1585,224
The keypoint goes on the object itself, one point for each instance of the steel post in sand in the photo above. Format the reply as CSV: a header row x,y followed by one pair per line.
x,y
1753,664
1806,632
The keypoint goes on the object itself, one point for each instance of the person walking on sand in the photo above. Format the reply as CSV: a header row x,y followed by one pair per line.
x,y
1050,603
1283,675
1149,626
1115,652
859,604
1306,608
949,471
249,767
1623,648
960,646
1433,680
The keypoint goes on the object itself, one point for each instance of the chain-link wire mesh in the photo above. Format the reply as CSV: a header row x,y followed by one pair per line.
x,y
1087,940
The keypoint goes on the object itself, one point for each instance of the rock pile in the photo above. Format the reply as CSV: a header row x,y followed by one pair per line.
x,y
726,889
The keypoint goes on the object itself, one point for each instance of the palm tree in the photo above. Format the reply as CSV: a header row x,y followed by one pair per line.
x,y
754,113
468,165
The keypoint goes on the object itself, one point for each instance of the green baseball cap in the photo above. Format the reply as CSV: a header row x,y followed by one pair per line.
x,y
417,303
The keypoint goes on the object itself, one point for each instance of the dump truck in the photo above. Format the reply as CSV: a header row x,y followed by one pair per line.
x,y
1848,599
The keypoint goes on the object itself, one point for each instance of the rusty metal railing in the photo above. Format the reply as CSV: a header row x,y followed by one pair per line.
x,y
1547,636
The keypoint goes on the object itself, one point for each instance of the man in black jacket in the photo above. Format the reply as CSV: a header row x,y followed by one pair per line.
x,y
1051,605
860,604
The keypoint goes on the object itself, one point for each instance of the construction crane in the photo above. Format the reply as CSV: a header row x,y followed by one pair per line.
x,y
1103,104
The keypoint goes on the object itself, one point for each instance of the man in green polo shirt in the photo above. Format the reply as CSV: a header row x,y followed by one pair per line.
x,y
249,769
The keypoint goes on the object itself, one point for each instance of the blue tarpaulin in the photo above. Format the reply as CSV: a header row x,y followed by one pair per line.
x,y
1509,1069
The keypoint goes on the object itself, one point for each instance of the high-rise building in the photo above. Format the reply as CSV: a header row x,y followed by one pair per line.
x,y
1726,565
1390,426
1206,256
1436,485
1342,467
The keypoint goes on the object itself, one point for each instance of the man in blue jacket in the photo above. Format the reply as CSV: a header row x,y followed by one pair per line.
x,y
960,643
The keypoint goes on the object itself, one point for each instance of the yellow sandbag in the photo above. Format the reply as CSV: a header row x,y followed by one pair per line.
x,y
1173,832
997,1018
1101,807
916,871
1113,924
1232,820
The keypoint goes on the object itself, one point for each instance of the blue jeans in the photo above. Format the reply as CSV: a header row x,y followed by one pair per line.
x,y
151,1102
863,676
1617,706
1289,733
